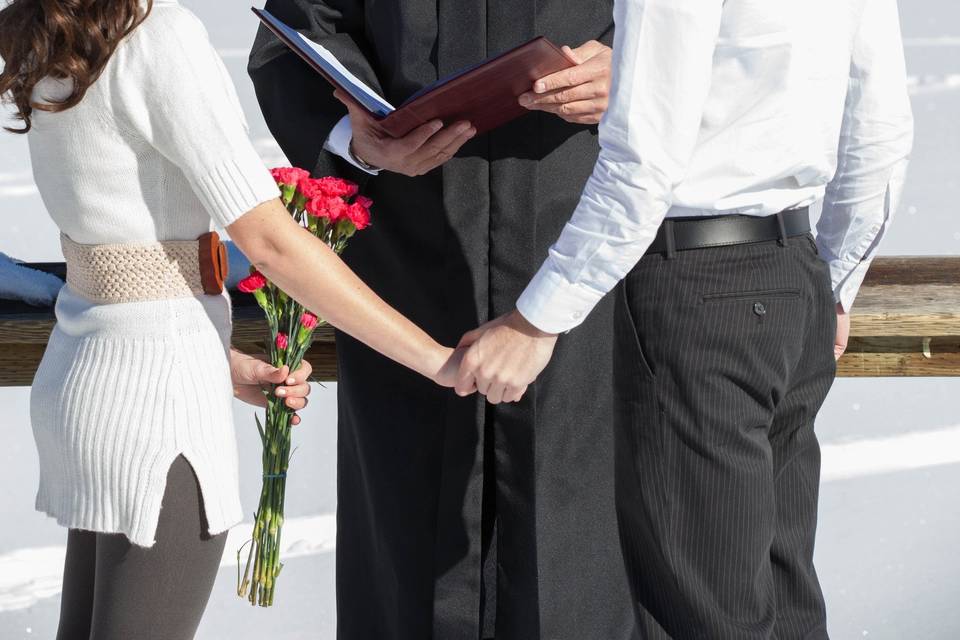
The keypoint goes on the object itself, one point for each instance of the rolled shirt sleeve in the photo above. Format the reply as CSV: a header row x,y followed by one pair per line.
x,y
647,138
875,144
170,87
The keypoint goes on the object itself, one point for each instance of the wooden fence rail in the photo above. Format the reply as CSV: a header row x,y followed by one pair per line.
x,y
906,322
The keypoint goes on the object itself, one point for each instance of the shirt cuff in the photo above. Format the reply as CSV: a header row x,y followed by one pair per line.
x,y
338,143
553,304
847,279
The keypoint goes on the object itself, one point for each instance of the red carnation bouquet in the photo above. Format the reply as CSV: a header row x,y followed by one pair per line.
x,y
330,209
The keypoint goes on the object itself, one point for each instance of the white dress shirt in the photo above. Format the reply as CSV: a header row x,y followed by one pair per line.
x,y
338,143
738,106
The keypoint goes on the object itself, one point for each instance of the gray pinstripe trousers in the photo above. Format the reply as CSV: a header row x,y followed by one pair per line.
x,y
723,358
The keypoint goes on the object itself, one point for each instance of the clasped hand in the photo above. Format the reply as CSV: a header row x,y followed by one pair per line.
x,y
502,358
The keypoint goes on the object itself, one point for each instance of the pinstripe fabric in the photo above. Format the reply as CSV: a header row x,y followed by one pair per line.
x,y
723,358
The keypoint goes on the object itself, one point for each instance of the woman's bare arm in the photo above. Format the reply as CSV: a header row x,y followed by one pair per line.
x,y
309,271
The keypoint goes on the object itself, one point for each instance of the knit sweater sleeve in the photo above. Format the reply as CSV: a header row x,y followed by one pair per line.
x,y
169,86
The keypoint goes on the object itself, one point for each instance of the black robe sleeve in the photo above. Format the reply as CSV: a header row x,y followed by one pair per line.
x,y
607,36
297,103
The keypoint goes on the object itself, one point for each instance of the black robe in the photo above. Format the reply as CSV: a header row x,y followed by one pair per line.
x,y
454,516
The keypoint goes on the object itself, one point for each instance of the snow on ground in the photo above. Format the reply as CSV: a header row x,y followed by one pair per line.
x,y
888,517
32,574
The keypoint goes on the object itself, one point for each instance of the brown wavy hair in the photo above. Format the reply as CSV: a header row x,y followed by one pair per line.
x,y
64,39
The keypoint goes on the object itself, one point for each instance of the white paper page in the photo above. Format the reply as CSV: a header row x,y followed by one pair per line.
x,y
351,82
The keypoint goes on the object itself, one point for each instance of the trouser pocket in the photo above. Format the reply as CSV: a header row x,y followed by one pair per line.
x,y
745,295
630,344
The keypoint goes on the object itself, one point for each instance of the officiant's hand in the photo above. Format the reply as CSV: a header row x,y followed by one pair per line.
x,y
420,151
579,94
251,375
504,357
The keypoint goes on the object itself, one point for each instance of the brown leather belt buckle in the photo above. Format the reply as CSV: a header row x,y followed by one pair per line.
x,y
214,265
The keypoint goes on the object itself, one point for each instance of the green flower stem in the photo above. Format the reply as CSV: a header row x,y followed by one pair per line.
x,y
265,555
258,582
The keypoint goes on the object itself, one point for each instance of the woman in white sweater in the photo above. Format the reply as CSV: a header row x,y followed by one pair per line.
x,y
138,142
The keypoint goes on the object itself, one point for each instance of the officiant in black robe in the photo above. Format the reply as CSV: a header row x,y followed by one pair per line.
x,y
458,520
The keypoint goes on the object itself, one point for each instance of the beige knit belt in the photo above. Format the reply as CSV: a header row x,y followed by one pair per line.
x,y
114,273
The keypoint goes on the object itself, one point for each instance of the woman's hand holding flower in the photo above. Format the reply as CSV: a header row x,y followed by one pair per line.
x,y
251,375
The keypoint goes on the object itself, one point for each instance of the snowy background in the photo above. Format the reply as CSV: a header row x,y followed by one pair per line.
x,y
890,508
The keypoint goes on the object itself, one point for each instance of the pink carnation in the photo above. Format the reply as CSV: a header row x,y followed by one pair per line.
x,y
329,187
359,215
308,320
290,176
282,341
254,282
330,207
364,201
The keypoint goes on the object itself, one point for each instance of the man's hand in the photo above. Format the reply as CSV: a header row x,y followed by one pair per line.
x,y
419,152
579,94
504,357
843,332
252,377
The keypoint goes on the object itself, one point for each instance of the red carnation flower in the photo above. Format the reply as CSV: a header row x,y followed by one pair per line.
x,y
308,320
310,188
339,187
329,187
254,282
364,201
282,341
330,207
359,215
290,176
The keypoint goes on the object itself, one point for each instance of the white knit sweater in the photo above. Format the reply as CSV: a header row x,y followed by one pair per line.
x,y
156,149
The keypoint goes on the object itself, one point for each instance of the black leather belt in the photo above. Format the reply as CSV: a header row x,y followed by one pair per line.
x,y
683,234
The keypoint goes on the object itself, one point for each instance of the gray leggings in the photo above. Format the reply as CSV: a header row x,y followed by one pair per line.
x,y
114,590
